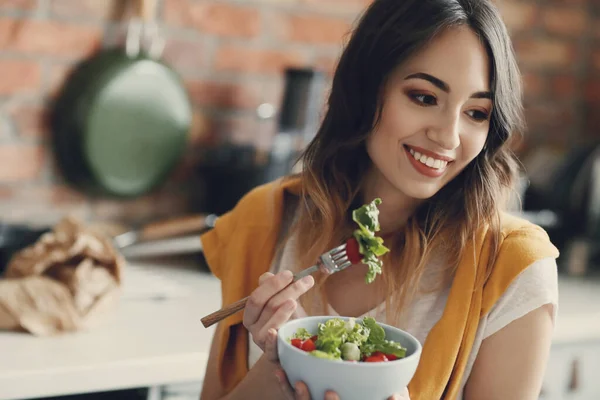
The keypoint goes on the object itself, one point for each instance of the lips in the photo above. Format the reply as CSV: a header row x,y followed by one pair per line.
x,y
427,163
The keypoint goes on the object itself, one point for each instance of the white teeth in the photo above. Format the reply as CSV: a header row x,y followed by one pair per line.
x,y
429,161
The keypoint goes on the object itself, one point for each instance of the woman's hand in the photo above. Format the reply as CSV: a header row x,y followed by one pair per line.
x,y
301,390
272,304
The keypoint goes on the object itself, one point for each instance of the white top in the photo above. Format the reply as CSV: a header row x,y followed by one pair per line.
x,y
535,287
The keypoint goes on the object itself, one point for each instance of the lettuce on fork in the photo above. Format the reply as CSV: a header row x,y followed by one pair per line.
x,y
370,246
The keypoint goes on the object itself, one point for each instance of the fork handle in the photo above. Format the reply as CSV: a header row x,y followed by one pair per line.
x,y
224,312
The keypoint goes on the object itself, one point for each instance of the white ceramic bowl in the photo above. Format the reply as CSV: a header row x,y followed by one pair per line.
x,y
360,381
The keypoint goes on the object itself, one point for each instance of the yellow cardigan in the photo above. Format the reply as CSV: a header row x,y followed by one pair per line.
x,y
241,247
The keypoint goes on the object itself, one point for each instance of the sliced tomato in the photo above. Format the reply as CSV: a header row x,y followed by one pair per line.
x,y
352,251
308,345
297,343
376,358
391,357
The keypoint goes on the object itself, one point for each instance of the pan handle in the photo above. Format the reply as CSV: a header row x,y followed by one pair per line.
x,y
177,226
148,15
143,26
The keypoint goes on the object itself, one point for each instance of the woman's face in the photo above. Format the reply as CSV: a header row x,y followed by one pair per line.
x,y
435,116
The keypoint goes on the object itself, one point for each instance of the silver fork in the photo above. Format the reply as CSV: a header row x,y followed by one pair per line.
x,y
330,262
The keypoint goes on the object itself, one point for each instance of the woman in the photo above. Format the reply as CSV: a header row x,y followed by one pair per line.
x,y
424,101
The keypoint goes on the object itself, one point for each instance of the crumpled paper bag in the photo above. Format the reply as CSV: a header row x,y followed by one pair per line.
x,y
68,280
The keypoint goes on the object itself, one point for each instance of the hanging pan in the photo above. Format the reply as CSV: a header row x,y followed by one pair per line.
x,y
121,121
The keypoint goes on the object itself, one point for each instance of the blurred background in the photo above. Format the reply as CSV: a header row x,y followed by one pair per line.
x,y
141,118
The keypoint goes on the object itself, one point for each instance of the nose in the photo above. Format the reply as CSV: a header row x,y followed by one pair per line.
x,y
446,131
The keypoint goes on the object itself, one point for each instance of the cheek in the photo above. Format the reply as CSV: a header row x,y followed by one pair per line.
x,y
472,145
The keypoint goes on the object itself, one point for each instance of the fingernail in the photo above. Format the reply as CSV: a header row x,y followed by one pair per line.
x,y
308,280
272,334
299,389
287,274
278,377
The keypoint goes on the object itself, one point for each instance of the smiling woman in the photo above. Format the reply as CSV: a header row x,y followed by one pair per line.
x,y
424,101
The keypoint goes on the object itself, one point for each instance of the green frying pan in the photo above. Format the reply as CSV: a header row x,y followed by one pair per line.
x,y
121,121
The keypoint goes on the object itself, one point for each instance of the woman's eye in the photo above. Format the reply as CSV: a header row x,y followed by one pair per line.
x,y
424,99
478,115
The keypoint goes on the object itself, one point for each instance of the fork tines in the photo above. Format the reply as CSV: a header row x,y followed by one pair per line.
x,y
340,258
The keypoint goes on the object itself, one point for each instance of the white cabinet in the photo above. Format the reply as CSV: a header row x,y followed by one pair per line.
x,y
573,372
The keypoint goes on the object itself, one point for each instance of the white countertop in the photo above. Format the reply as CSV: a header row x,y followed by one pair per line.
x,y
155,337
146,342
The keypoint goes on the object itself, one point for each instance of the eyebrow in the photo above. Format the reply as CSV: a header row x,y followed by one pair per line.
x,y
440,84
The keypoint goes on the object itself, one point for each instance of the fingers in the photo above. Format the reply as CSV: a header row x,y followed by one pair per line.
x,y
264,277
261,295
287,390
331,396
401,396
292,292
273,303
301,391
271,345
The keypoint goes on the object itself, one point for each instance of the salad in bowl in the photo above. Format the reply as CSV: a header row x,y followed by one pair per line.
x,y
356,358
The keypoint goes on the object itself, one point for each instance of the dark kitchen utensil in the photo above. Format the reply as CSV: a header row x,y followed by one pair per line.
x,y
228,171
121,121
14,237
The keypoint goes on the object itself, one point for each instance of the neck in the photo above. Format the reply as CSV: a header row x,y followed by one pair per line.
x,y
395,208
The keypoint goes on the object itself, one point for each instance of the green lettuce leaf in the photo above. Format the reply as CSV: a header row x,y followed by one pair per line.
x,y
332,334
386,347
302,334
377,333
325,355
369,245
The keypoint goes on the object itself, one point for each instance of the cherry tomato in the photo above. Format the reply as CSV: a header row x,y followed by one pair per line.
x,y
297,343
391,357
376,358
308,345
352,251
314,338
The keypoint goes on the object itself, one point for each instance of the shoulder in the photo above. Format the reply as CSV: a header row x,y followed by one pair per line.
x,y
536,286
511,224
522,244
524,240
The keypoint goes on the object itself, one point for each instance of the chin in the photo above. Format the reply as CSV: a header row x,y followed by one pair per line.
x,y
419,192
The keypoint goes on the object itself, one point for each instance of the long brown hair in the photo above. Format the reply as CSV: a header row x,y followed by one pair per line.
x,y
334,163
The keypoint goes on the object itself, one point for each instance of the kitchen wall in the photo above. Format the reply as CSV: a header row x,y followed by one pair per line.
x,y
231,54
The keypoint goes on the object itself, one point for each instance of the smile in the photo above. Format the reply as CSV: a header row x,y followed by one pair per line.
x,y
430,164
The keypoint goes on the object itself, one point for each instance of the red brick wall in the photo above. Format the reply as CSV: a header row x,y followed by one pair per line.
x,y
231,54
558,42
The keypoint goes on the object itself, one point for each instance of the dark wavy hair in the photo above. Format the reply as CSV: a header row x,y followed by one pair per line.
x,y
334,163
